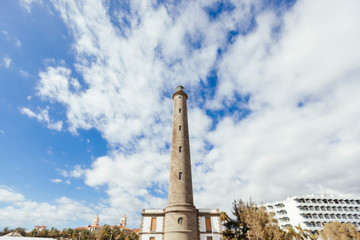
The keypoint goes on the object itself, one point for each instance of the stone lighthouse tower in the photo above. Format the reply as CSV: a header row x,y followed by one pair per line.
x,y
180,220
180,215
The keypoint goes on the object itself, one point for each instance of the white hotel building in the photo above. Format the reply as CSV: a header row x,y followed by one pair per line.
x,y
313,211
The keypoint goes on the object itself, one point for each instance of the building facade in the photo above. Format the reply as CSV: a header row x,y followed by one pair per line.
x,y
180,220
313,211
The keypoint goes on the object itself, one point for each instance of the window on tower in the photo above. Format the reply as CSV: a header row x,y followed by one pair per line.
x,y
180,173
179,149
179,128
179,110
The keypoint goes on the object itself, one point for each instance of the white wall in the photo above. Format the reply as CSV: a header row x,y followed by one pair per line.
x,y
159,224
146,224
214,224
203,236
202,227
147,236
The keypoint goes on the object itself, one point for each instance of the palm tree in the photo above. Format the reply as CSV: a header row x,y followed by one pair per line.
x,y
223,217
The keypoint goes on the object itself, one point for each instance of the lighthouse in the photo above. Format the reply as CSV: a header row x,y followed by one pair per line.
x,y
180,220
180,214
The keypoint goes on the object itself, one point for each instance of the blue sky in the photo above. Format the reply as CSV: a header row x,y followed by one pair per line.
x,y
85,104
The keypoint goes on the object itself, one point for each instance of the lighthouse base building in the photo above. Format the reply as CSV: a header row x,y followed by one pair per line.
x,y
180,220
208,224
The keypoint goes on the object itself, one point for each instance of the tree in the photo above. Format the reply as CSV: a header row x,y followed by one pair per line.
x,y
252,223
236,228
5,231
304,233
339,231
224,217
20,230
54,233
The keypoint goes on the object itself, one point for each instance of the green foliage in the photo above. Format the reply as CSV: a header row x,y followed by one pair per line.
x,y
251,223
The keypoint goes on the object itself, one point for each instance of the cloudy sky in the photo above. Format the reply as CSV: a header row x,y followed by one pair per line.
x,y
85,104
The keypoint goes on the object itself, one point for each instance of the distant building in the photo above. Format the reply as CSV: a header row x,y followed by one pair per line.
x,y
95,225
313,211
123,221
95,221
40,228
180,220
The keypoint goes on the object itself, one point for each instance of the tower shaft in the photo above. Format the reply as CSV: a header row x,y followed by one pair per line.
x,y
180,214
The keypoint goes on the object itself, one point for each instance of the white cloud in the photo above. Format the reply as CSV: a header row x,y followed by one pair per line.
x,y
7,61
42,116
26,213
301,135
11,39
28,3
2,131
8,195
24,73
76,172
57,180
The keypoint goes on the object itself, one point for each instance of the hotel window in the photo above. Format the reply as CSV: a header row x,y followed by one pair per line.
x,y
153,224
209,238
208,224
